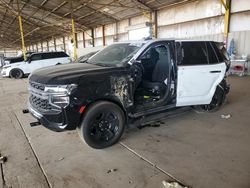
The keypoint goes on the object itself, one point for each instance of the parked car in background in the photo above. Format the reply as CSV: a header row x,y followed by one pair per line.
x,y
85,57
10,60
128,83
35,61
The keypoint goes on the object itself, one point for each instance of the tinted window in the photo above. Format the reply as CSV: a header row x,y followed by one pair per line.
x,y
194,53
213,59
51,55
60,54
36,57
219,51
47,56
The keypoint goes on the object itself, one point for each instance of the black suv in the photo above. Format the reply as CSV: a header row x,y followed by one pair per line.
x,y
128,83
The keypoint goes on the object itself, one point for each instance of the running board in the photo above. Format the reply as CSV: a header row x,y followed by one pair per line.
x,y
158,117
151,111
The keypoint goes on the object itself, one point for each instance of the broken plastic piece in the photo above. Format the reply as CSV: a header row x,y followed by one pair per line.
x,y
226,116
172,185
112,170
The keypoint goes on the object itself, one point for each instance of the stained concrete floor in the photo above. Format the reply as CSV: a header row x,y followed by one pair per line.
x,y
200,150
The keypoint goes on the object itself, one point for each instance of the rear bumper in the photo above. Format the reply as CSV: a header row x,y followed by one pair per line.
x,y
64,120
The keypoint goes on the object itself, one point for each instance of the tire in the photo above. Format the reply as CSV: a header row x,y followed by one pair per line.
x,y
102,125
216,103
16,73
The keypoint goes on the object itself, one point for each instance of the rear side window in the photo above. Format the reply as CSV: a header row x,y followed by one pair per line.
x,y
36,57
218,48
194,53
52,55
60,54
212,56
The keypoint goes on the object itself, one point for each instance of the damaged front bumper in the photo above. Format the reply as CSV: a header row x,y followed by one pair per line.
x,y
56,121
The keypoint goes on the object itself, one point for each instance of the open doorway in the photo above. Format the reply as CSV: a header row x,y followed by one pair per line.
x,y
156,70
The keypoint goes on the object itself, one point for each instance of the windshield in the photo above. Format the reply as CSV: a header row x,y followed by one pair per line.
x,y
115,55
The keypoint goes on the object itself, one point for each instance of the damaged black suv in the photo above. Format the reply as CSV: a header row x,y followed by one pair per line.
x,y
128,83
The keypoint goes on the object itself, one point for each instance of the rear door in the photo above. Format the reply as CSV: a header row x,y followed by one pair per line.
x,y
35,62
199,73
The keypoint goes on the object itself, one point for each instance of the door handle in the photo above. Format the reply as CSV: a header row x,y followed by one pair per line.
x,y
215,71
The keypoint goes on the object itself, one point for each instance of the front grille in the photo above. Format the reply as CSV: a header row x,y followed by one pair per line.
x,y
37,86
39,99
40,104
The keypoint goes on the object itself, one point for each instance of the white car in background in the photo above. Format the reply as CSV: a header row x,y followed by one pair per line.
x,y
34,62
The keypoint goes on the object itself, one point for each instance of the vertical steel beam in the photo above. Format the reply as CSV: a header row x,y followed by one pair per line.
x,y
36,47
103,36
42,46
93,37
21,31
227,5
47,45
155,24
54,43
83,39
64,45
73,33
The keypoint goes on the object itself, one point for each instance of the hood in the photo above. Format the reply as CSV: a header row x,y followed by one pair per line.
x,y
7,65
65,74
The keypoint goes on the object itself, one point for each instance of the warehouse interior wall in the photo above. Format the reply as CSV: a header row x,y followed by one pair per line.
x,y
202,20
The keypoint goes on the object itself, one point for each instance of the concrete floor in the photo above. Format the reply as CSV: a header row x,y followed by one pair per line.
x,y
200,150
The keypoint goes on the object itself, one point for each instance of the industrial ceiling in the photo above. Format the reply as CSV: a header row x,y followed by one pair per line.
x,y
44,19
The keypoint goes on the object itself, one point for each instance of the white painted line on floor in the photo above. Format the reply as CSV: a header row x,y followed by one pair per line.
x,y
152,164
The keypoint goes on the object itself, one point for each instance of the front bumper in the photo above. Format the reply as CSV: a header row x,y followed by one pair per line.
x,y
3,73
67,119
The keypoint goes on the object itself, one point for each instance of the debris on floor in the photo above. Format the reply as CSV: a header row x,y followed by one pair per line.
x,y
60,159
112,170
226,116
3,159
155,124
172,185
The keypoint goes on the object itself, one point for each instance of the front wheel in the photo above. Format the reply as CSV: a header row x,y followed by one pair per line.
x,y
216,103
16,73
102,125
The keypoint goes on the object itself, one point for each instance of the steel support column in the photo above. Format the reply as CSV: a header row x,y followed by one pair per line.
x,y
21,32
73,33
227,5
103,36
83,39
93,37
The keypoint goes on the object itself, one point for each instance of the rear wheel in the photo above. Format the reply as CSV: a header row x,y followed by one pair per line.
x,y
216,103
102,125
16,73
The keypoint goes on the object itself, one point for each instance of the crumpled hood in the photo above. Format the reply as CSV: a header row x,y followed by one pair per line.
x,y
65,74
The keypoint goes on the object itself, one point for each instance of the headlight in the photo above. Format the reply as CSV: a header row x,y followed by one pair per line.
x,y
59,95
5,67
60,100
60,89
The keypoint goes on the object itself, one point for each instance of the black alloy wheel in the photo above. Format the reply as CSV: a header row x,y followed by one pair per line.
x,y
215,104
102,125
